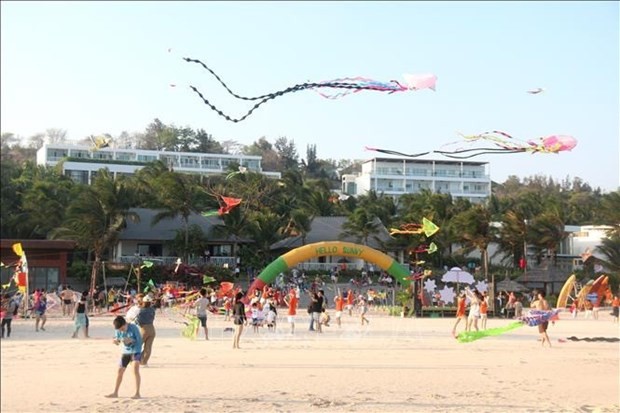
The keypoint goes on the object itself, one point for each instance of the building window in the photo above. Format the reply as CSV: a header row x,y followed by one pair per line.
x,y
43,277
80,177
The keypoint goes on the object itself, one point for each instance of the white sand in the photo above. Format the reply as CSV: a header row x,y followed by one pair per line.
x,y
391,365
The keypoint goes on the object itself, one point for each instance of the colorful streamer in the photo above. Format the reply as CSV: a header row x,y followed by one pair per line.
x,y
469,336
348,85
504,143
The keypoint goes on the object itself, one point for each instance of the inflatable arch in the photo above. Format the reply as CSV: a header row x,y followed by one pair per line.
x,y
320,249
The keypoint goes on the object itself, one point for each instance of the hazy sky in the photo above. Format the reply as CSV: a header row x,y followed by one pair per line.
x,y
104,67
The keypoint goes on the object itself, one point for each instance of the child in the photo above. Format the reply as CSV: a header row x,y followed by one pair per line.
x,y
227,307
129,335
256,322
272,314
39,313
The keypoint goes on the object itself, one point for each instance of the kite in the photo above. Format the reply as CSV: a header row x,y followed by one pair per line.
x,y
146,264
427,228
537,317
226,205
507,144
425,248
469,336
348,85
535,91
242,170
149,285
504,143
100,142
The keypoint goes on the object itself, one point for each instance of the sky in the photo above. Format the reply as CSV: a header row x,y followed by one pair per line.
x,y
106,67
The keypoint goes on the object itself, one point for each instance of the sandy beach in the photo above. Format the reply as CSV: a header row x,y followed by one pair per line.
x,y
391,365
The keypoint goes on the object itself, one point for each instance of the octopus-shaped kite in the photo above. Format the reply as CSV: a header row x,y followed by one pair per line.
x,y
348,85
504,143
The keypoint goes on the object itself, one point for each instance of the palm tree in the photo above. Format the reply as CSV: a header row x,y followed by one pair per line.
x,y
547,232
473,228
610,248
179,194
360,224
96,217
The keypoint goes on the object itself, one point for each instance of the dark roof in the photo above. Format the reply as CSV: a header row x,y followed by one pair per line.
x,y
329,229
166,229
39,244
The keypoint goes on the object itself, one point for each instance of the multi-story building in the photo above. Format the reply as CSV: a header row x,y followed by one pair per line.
x,y
399,176
82,164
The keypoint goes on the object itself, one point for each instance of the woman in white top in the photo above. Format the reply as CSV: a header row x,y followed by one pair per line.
x,y
474,308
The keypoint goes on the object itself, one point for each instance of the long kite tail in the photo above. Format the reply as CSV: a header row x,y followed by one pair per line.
x,y
390,152
271,96
469,336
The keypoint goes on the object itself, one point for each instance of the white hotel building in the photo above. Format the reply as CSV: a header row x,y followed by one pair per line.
x,y
81,164
399,176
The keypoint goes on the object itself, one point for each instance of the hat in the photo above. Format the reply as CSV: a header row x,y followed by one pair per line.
x,y
147,299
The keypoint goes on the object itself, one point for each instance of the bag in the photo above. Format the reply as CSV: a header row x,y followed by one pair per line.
x,y
310,309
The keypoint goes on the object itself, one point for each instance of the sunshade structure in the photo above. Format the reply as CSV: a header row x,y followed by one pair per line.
x,y
511,286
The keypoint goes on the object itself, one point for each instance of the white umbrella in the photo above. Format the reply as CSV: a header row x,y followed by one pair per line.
x,y
456,275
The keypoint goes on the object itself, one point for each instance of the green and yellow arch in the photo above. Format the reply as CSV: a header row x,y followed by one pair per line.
x,y
330,248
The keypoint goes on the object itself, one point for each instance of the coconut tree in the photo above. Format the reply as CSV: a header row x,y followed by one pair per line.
x,y
96,216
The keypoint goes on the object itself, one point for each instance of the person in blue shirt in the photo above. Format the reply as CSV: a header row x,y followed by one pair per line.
x,y
128,335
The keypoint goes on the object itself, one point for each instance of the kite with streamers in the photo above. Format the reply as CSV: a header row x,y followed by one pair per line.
x,y
469,336
346,86
533,318
504,143
226,205
427,228
536,317
430,249
100,142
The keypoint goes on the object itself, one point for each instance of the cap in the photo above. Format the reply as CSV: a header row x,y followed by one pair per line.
x,y
147,299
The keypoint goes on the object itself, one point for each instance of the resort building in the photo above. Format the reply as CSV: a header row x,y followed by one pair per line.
x,y
82,164
399,176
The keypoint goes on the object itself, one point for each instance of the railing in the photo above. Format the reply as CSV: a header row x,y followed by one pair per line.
x,y
229,262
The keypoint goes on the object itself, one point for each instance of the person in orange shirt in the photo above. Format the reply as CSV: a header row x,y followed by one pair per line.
x,y
350,300
339,301
460,312
291,301
615,307
484,309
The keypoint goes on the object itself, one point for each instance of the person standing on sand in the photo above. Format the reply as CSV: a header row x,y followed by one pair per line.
x,y
202,305
339,303
615,308
9,308
79,316
542,304
129,335
460,312
39,313
239,318
145,320
484,309
291,301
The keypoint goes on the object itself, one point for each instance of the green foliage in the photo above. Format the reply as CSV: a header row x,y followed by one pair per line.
x,y
79,270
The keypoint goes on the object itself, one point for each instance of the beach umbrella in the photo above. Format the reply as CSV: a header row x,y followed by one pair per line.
x,y
456,275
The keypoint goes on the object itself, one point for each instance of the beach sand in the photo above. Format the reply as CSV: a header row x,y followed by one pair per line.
x,y
391,365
